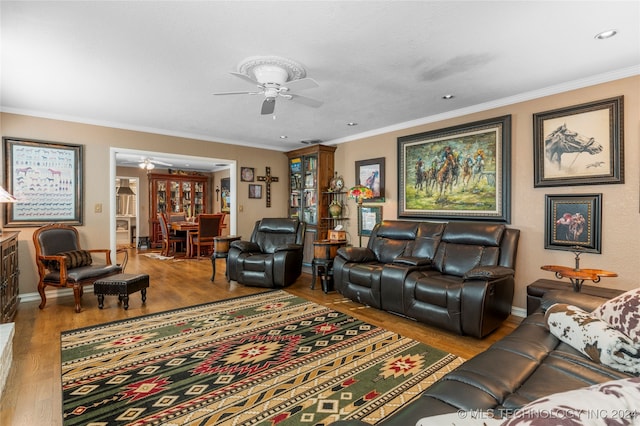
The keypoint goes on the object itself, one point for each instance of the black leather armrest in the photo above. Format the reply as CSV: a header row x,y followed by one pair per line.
x,y
412,261
582,301
488,273
357,254
245,246
289,247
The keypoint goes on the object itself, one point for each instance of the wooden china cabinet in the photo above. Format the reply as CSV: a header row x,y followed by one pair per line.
x,y
175,194
310,170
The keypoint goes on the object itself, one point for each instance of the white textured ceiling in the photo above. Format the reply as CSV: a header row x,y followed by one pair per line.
x,y
154,66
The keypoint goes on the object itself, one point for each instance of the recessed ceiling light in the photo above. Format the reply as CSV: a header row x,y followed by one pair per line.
x,y
284,137
448,96
351,124
605,34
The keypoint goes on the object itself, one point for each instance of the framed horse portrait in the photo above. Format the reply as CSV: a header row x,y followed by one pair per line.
x,y
461,172
573,222
579,145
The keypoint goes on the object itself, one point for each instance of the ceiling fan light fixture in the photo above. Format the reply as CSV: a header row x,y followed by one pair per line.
x,y
147,165
271,69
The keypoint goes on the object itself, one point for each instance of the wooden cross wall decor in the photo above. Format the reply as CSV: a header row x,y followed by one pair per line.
x,y
267,180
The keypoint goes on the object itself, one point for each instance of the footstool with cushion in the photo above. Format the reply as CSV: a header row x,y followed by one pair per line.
x,y
121,285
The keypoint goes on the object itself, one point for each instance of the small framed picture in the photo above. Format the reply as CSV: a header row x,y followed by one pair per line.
x,y
573,222
255,191
370,173
247,174
368,217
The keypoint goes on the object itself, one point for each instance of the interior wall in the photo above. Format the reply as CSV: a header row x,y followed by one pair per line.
x,y
620,212
621,217
98,141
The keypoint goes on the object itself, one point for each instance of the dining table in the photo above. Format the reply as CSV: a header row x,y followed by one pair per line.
x,y
188,227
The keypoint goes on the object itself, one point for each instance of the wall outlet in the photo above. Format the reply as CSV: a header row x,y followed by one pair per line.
x,y
98,208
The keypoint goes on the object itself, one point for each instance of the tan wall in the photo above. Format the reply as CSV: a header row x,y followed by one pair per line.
x,y
621,218
98,141
620,213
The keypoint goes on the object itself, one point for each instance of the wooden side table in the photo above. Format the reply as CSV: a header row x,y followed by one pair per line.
x,y
221,245
578,276
324,251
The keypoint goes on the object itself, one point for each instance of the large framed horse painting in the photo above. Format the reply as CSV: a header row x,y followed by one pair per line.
x,y
461,172
579,145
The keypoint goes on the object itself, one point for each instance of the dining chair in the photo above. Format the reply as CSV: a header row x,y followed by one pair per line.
x,y
209,226
169,240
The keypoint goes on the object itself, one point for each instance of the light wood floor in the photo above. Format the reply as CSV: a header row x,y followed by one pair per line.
x,y
32,395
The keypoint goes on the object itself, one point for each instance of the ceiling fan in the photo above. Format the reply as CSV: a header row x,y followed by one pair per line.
x,y
275,77
146,163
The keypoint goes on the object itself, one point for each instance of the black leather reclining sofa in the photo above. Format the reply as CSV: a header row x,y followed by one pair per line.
x,y
457,276
528,364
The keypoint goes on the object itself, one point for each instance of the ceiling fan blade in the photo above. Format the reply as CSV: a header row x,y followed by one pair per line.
x,y
245,78
268,106
162,163
314,103
238,93
301,84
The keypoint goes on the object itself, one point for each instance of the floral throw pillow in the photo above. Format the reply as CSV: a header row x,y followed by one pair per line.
x,y
593,337
623,313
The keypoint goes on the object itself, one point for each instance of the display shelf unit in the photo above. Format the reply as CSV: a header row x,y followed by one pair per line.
x,y
9,275
328,197
175,194
310,170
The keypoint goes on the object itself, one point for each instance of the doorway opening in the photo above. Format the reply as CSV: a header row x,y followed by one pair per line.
x,y
134,166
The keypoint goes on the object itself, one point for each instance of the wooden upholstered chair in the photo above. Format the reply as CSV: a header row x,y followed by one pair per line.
x,y
169,240
62,263
209,226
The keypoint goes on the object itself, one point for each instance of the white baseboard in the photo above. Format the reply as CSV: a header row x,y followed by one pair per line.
x,y
518,312
61,292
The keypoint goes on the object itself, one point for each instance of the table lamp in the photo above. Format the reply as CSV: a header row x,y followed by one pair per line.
x,y
359,193
5,197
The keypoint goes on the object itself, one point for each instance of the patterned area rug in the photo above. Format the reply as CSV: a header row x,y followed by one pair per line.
x,y
267,359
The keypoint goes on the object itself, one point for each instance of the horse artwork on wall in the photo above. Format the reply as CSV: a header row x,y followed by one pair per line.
x,y
461,172
579,145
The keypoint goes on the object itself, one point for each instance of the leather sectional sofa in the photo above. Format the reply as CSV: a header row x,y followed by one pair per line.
x,y
457,276
528,364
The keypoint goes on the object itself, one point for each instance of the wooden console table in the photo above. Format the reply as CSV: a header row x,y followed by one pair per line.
x,y
578,276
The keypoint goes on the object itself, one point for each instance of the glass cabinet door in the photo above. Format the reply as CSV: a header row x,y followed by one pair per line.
x,y
161,196
198,198
186,199
295,167
175,201
310,192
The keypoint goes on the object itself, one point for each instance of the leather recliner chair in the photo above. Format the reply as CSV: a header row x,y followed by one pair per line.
x,y
273,256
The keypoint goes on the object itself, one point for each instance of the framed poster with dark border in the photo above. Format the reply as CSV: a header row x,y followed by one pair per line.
x,y
580,145
255,191
573,222
370,173
368,217
460,172
46,179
